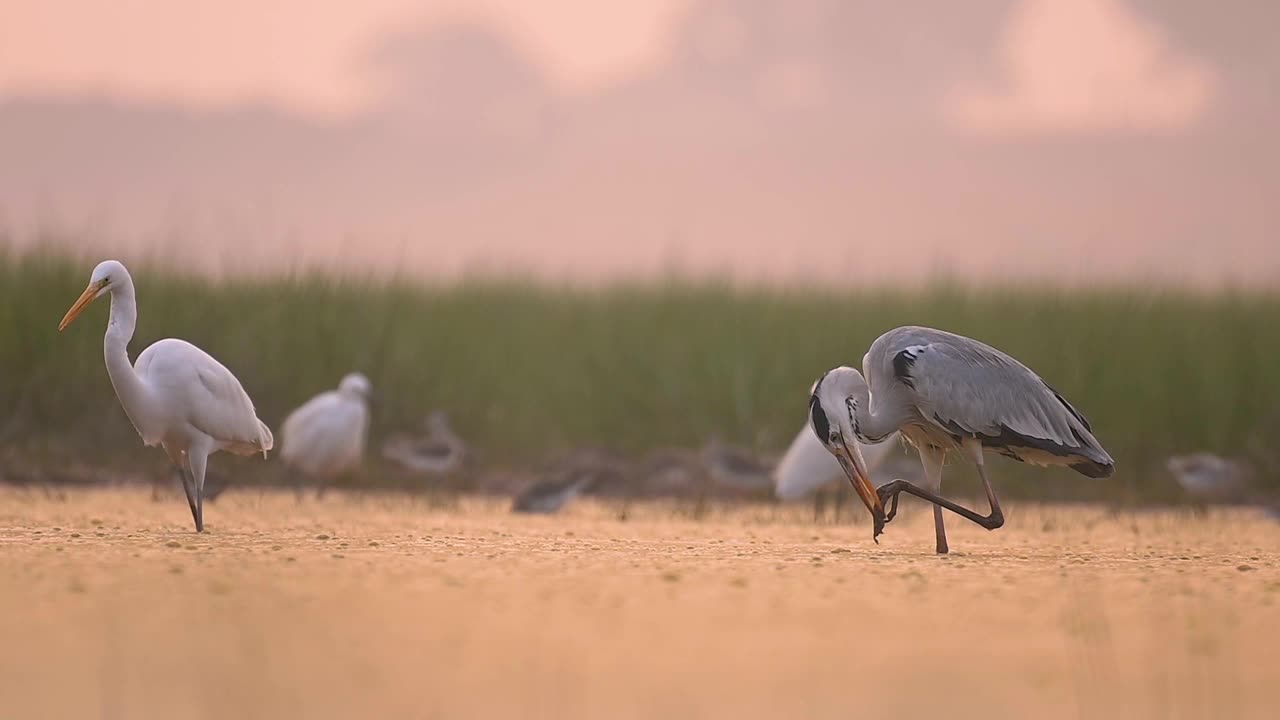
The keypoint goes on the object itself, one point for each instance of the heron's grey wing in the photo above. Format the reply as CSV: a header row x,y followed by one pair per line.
x,y
973,390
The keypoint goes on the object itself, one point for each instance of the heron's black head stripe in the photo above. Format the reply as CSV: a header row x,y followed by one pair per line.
x,y
819,419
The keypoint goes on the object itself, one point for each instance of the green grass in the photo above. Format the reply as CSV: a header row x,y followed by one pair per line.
x,y
526,370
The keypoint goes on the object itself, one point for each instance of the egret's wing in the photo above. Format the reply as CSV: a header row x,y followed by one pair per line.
x,y
806,466
326,435
200,390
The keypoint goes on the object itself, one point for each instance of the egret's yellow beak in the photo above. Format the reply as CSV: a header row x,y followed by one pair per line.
x,y
86,298
856,468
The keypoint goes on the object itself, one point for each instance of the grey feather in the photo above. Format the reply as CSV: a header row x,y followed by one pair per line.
x,y
967,389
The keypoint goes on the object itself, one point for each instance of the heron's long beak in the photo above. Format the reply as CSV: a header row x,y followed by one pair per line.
x,y
86,298
856,468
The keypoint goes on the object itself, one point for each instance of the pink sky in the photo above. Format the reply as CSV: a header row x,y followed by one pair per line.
x,y
817,139
212,54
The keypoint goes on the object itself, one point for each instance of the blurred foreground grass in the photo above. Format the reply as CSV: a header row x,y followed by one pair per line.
x,y
526,370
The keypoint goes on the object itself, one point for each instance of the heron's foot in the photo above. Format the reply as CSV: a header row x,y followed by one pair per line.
x,y
995,519
888,494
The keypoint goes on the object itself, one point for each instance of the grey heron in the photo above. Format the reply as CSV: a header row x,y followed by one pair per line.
x,y
176,395
946,392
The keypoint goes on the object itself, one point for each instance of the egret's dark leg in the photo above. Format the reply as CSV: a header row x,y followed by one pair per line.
x,y
189,486
196,460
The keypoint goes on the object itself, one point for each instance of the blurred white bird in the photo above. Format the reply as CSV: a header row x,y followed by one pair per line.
x,y
176,395
808,466
325,437
1210,478
439,452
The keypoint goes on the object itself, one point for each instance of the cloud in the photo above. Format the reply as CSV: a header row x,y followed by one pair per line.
x,y
1072,66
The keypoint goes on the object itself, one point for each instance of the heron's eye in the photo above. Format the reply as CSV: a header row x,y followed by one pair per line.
x,y
834,437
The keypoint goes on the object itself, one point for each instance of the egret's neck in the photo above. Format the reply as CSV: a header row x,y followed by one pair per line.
x,y
873,425
132,391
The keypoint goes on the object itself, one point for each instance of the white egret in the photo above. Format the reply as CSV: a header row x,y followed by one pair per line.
x,y
806,467
325,437
176,395
947,392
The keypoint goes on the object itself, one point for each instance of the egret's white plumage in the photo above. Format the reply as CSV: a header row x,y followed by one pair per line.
x,y
325,437
946,392
807,466
176,395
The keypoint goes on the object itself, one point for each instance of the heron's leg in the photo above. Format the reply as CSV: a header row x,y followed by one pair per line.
x,y
996,517
932,459
992,521
889,493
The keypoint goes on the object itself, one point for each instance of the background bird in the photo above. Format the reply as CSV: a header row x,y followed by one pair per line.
x,y
176,395
1209,478
438,452
735,468
550,496
807,465
807,469
325,437
947,392
670,472
596,469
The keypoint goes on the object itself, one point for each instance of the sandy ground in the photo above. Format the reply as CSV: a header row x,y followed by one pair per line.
x,y
382,606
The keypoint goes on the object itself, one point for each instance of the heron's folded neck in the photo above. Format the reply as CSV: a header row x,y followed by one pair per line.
x,y
873,425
